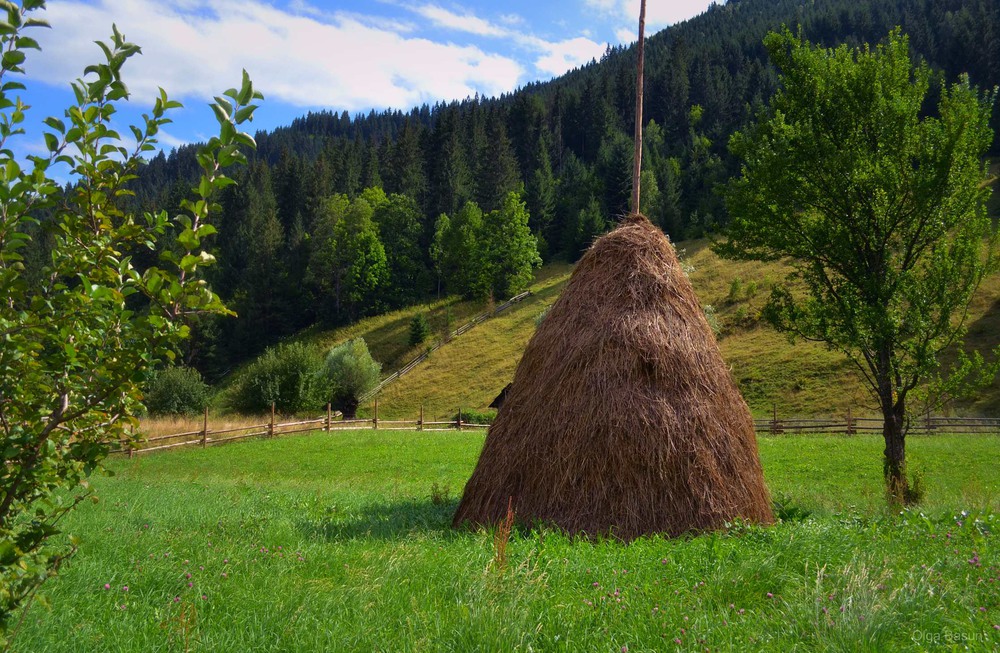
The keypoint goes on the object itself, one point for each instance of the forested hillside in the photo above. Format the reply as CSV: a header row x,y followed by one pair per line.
x,y
338,217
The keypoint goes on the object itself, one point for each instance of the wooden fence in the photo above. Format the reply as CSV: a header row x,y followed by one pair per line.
x,y
775,426
482,317
850,425
328,423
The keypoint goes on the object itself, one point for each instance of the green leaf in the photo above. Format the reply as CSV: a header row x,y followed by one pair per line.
x,y
56,124
188,240
246,113
12,59
220,114
26,43
246,89
246,140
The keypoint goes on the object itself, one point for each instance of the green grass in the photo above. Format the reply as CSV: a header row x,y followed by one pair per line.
x,y
332,542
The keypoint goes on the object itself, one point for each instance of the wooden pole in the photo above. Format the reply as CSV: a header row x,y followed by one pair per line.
x,y
329,417
458,424
375,421
640,52
420,423
270,427
850,422
204,430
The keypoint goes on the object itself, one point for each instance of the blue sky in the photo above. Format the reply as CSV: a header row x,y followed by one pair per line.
x,y
327,54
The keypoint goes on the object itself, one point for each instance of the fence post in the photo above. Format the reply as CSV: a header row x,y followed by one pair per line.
x,y
270,427
375,420
458,423
420,422
928,423
204,430
850,423
329,417
775,425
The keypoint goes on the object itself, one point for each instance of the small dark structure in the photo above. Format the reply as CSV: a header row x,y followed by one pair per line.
x,y
622,418
498,402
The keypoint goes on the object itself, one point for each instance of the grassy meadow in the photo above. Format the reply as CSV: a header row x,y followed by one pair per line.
x,y
342,542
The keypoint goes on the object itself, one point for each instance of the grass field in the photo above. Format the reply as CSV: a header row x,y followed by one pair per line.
x,y
341,542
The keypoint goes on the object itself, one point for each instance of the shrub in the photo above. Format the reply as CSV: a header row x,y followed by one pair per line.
x,y
476,416
176,391
349,372
735,290
712,318
288,375
420,330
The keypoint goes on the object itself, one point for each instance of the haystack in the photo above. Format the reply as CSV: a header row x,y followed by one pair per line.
x,y
622,418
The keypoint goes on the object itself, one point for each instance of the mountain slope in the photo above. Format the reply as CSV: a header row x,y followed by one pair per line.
x,y
801,378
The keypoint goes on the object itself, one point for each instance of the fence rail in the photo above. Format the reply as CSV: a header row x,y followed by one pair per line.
x,y
776,426
849,425
207,435
482,317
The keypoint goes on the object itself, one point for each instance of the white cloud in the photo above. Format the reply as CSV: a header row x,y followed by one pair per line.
x,y
659,14
196,48
170,141
461,22
512,19
554,57
626,35
566,55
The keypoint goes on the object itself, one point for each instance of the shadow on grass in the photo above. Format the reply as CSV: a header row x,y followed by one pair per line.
x,y
385,521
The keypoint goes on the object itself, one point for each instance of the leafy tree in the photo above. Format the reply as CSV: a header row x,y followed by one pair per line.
x,y
459,249
508,252
398,220
880,211
351,372
78,346
176,391
288,375
438,255
349,267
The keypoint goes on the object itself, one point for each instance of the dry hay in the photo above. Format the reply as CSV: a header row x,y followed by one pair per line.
x,y
622,418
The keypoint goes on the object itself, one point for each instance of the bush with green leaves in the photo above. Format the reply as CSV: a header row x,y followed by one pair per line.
x,y
286,375
176,391
476,416
81,337
351,372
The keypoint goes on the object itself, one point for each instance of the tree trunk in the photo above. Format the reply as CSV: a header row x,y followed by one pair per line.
x,y
350,407
894,465
893,414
